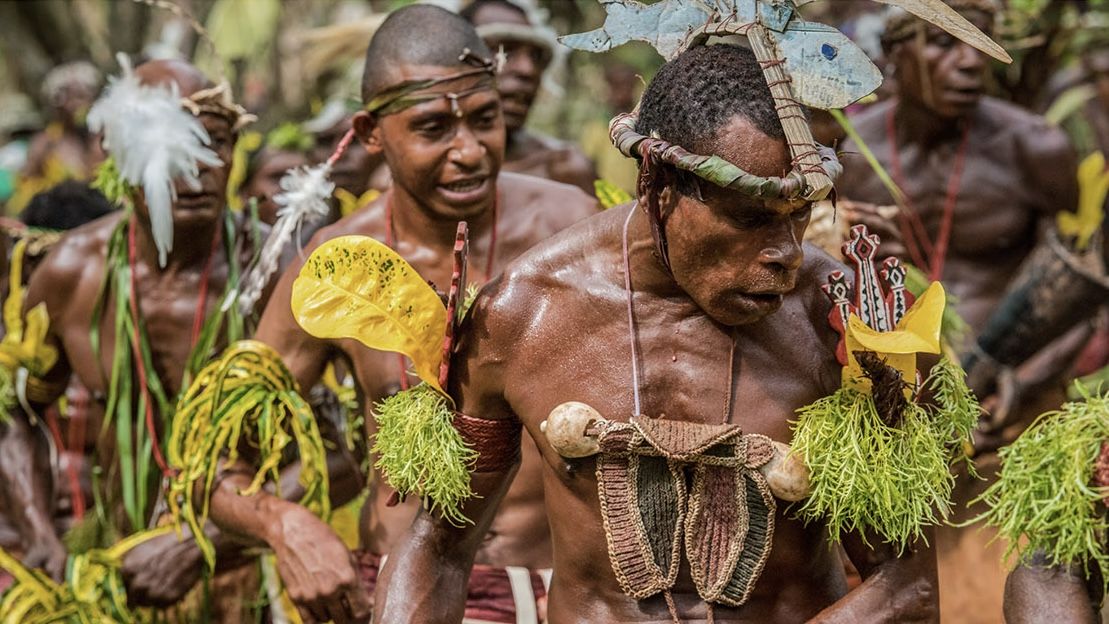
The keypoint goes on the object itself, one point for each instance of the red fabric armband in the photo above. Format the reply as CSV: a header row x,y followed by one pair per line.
x,y
497,442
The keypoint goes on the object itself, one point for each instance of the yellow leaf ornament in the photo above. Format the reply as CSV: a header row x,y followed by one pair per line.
x,y
357,287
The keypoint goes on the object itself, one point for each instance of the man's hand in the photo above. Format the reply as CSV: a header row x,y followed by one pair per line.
x,y
317,569
160,571
47,552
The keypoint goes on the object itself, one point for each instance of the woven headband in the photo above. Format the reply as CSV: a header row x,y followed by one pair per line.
x,y
409,93
719,171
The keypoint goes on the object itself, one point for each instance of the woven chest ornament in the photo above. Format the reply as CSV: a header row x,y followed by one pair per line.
x,y
805,64
724,518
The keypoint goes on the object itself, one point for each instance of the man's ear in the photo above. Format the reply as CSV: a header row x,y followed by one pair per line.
x,y
368,132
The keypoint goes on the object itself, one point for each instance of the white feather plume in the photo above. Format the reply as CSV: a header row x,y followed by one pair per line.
x,y
304,199
153,141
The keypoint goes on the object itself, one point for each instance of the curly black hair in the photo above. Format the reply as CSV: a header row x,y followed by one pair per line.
x,y
65,206
700,91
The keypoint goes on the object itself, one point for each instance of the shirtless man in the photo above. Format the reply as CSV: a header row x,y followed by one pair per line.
x,y
69,281
445,152
555,328
989,176
505,26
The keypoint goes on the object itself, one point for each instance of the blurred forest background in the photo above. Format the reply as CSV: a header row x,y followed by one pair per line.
x,y
286,58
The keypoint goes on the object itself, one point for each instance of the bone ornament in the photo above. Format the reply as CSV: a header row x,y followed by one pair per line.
x,y
568,424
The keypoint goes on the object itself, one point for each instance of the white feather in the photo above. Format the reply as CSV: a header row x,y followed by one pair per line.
x,y
304,199
153,141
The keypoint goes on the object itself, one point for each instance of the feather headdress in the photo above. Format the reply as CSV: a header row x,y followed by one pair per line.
x,y
153,141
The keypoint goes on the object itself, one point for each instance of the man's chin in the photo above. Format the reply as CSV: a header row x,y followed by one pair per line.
x,y
739,309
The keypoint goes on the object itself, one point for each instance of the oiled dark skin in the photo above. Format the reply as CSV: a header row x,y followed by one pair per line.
x,y
554,328
518,83
1036,593
68,282
426,147
1018,173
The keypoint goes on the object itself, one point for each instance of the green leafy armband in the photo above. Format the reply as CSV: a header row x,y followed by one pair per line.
x,y
246,398
1054,483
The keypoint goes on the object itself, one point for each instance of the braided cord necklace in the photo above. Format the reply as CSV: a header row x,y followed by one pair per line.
x,y
925,253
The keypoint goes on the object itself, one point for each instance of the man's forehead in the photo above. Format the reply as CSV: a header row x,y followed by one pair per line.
x,y
741,143
496,13
471,97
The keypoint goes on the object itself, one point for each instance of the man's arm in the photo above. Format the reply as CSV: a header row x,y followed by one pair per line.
x,y
895,588
425,577
26,475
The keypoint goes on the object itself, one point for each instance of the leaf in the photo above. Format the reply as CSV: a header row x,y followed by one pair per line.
x,y
609,194
356,287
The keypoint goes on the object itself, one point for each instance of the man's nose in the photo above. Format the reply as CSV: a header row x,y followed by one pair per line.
x,y
782,251
969,59
466,149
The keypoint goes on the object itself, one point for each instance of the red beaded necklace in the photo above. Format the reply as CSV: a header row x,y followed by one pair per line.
x,y
925,253
136,338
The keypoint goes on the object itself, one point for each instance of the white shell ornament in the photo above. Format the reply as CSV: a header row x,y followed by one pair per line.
x,y
786,474
565,429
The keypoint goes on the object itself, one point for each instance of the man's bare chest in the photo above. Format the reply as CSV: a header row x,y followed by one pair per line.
x,y
685,372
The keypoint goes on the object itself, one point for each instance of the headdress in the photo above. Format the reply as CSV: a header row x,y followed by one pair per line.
x,y
805,64
80,73
152,135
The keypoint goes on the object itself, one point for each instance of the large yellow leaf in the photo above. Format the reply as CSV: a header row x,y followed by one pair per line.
x,y
356,287
917,332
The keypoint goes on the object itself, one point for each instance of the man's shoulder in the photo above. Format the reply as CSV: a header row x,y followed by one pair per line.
x,y
366,221
79,255
870,122
556,203
556,270
1031,131
84,245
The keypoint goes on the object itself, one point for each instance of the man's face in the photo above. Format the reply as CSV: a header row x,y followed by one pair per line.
x,y
266,181
735,256
941,72
518,81
207,202
447,162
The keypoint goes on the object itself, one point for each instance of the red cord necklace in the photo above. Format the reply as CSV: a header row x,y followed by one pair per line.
x,y
925,253
390,240
136,338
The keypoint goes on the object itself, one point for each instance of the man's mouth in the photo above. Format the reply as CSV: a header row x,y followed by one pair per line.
x,y
192,199
465,191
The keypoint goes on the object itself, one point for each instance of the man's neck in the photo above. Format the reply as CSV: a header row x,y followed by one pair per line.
x,y
414,222
648,274
915,123
192,246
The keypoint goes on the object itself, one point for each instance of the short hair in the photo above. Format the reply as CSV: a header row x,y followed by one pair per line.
x,y
470,11
696,94
418,34
65,207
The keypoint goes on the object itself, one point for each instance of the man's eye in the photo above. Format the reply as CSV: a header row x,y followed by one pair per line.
x,y
431,129
942,40
802,214
486,120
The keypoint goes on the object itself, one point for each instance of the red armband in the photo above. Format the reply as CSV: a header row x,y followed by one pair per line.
x,y
497,442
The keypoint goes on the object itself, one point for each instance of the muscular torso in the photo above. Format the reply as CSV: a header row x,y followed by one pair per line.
x,y
579,326
1000,203
69,282
529,211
